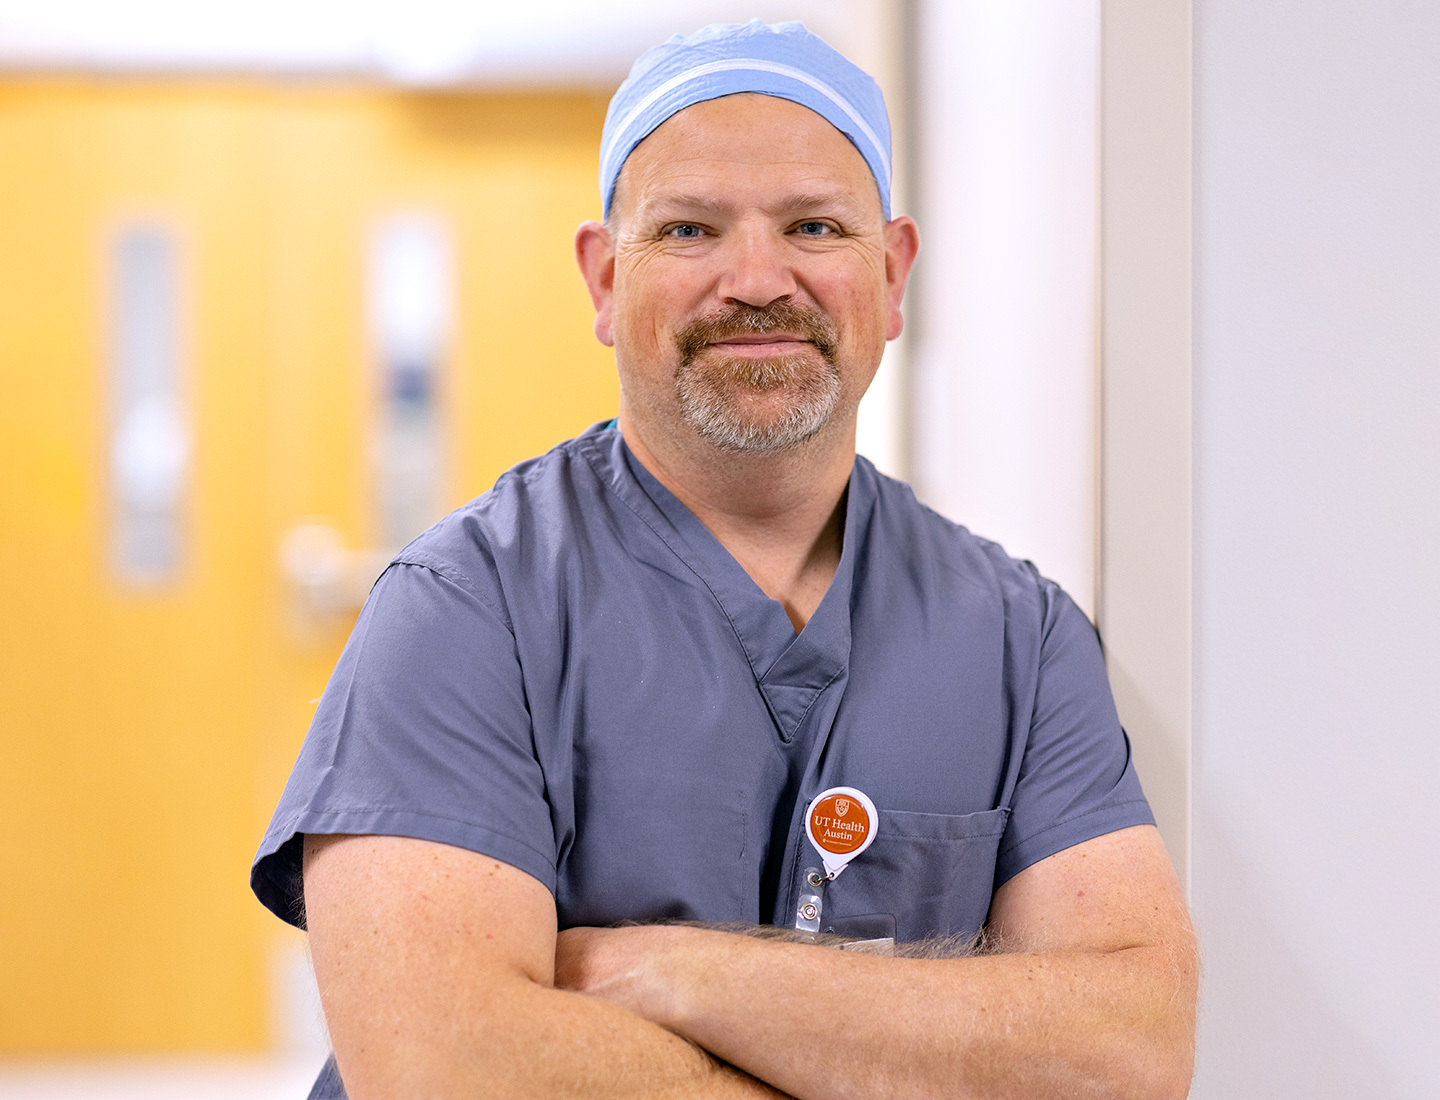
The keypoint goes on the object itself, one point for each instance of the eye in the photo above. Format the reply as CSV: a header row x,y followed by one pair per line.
x,y
813,229
685,231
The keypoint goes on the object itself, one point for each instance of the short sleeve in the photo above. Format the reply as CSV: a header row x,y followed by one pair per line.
x,y
1076,778
423,731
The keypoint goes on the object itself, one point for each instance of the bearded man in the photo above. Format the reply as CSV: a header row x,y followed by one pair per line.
x,y
591,712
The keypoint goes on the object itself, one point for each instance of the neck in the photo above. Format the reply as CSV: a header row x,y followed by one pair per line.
x,y
781,516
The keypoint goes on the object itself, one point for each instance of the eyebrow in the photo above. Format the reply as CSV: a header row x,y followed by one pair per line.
x,y
686,203
802,203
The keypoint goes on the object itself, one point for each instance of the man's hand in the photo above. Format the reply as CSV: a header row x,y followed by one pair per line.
x,y
1096,996
618,964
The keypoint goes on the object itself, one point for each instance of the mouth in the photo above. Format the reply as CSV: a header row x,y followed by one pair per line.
x,y
760,346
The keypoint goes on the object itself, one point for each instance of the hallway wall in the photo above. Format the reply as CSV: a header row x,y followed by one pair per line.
x,y
1317,477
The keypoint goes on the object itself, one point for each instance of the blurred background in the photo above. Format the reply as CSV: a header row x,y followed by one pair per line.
x,y
282,283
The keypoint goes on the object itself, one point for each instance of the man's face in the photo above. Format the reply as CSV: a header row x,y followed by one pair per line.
x,y
753,285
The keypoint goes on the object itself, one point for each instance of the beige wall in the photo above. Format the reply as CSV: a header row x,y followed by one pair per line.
x,y
1144,590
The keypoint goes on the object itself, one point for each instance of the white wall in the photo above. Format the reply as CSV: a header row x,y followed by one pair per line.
x,y
1316,874
539,42
1003,352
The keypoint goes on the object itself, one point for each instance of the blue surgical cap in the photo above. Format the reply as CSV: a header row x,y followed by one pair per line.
x,y
781,59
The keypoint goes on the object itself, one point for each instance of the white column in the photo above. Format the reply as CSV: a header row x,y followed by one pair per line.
x,y
1004,351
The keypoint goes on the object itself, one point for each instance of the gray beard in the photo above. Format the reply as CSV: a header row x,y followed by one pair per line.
x,y
711,395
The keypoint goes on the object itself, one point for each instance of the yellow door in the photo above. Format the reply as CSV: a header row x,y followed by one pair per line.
x,y
152,699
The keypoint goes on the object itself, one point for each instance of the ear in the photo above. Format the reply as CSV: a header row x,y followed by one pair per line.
x,y
595,253
902,243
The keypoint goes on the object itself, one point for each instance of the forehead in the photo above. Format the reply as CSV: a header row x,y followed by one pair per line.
x,y
750,140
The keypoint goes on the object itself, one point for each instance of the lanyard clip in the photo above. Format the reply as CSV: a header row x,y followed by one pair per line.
x,y
809,907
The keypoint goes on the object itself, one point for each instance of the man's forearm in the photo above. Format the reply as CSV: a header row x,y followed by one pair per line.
x,y
518,1039
436,968
827,1024
547,1043
820,1023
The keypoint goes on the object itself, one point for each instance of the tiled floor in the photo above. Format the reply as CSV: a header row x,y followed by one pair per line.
x,y
231,1079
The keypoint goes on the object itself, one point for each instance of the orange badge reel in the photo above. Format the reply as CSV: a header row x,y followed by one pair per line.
x,y
841,823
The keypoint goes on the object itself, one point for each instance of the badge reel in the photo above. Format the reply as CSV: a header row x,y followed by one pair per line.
x,y
841,823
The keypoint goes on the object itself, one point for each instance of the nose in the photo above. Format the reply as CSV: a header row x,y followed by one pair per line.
x,y
757,268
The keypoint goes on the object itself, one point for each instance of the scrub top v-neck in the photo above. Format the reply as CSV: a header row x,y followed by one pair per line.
x,y
572,675
800,676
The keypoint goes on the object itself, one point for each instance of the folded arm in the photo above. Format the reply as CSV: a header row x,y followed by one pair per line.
x,y
436,974
1094,997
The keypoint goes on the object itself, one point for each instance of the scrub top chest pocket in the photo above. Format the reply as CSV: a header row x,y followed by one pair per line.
x,y
933,872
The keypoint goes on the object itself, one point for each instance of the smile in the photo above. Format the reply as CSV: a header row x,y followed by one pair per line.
x,y
760,347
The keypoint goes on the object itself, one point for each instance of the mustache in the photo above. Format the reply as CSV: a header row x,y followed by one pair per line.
x,y
741,319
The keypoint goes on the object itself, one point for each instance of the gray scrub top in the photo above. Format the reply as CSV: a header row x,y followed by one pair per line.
x,y
571,675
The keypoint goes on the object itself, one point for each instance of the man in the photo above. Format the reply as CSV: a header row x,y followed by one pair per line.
x,y
610,689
